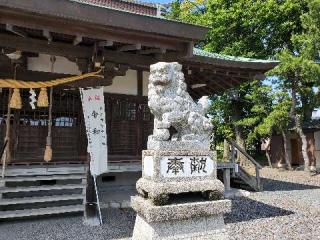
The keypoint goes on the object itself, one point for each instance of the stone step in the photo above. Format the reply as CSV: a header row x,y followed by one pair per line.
x,y
41,211
28,200
41,188
45,177
50,170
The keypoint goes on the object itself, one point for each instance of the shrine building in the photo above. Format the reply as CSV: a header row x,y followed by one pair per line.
x,y
123,37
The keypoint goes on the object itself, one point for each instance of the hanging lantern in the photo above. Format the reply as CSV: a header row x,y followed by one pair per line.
x,y
43,98
15,101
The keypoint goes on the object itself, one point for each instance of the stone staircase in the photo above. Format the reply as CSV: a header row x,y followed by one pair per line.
x,y
42,190
244,180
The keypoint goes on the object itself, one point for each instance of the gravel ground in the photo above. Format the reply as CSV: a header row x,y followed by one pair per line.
x,y
289,208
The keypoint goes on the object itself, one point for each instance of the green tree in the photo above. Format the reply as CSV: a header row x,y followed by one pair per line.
x,y
259,29
299,72
276,121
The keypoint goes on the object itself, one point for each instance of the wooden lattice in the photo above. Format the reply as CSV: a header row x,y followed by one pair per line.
x,y
128,119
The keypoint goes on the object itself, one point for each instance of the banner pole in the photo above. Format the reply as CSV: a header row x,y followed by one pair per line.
x,y
97,197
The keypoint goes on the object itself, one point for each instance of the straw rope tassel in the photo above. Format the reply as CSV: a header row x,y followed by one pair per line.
x,y
15,101
43,98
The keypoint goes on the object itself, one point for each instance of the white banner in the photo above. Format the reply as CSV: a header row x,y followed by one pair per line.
x,y
95,120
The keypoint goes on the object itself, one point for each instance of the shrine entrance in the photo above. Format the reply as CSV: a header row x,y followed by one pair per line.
x,y
128,119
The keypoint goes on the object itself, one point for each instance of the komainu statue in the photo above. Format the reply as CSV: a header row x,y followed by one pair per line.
x,y
177,116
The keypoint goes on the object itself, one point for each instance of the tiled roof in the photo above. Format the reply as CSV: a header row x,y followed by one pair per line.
x,y
133,6
202,53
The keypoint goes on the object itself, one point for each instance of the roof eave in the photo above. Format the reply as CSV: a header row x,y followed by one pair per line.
x,y
254,65
107,17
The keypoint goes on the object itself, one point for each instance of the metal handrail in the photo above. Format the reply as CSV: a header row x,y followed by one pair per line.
x,y
234,146
245,153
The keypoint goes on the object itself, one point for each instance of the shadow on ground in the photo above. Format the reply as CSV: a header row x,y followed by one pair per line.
x,y
118,224
276,185
245,209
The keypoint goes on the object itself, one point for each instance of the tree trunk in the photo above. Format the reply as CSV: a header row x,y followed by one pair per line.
x,y
285,147
226,151
304,144
236,115
240,141
268,155
268,150
298,126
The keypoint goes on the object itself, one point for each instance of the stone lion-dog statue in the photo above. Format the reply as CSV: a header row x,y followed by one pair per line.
x,y
173,107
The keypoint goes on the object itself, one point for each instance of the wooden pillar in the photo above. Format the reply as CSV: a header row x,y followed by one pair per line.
x,y
7,154
139,116
140,83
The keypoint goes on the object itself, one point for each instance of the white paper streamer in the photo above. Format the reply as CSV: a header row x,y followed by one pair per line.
x,y
32,98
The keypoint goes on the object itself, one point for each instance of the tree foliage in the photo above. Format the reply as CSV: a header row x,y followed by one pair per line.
x,y
287,29
259,28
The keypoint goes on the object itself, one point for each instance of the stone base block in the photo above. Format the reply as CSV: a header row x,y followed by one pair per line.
x,y
207,228
187,221
154,190
177,145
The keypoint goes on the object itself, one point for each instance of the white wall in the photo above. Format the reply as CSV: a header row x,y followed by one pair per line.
x,y
61,65
121,85
124,84
145,83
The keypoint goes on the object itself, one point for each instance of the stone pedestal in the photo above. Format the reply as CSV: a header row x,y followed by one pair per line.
x,y
162,213
180,171
184,221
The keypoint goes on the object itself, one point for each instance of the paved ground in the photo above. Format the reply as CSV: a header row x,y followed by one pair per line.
x,y
289,208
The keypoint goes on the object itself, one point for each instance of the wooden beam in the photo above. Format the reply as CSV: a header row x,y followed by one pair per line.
x,y
78,13
47,35
152,51
22,74
130,59
41,46
139,83
60,25
188,52
107,43
15,30
77,40
115,69
75,52
126,48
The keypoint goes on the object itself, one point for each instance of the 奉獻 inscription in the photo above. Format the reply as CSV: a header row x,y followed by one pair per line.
x,y
186,166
